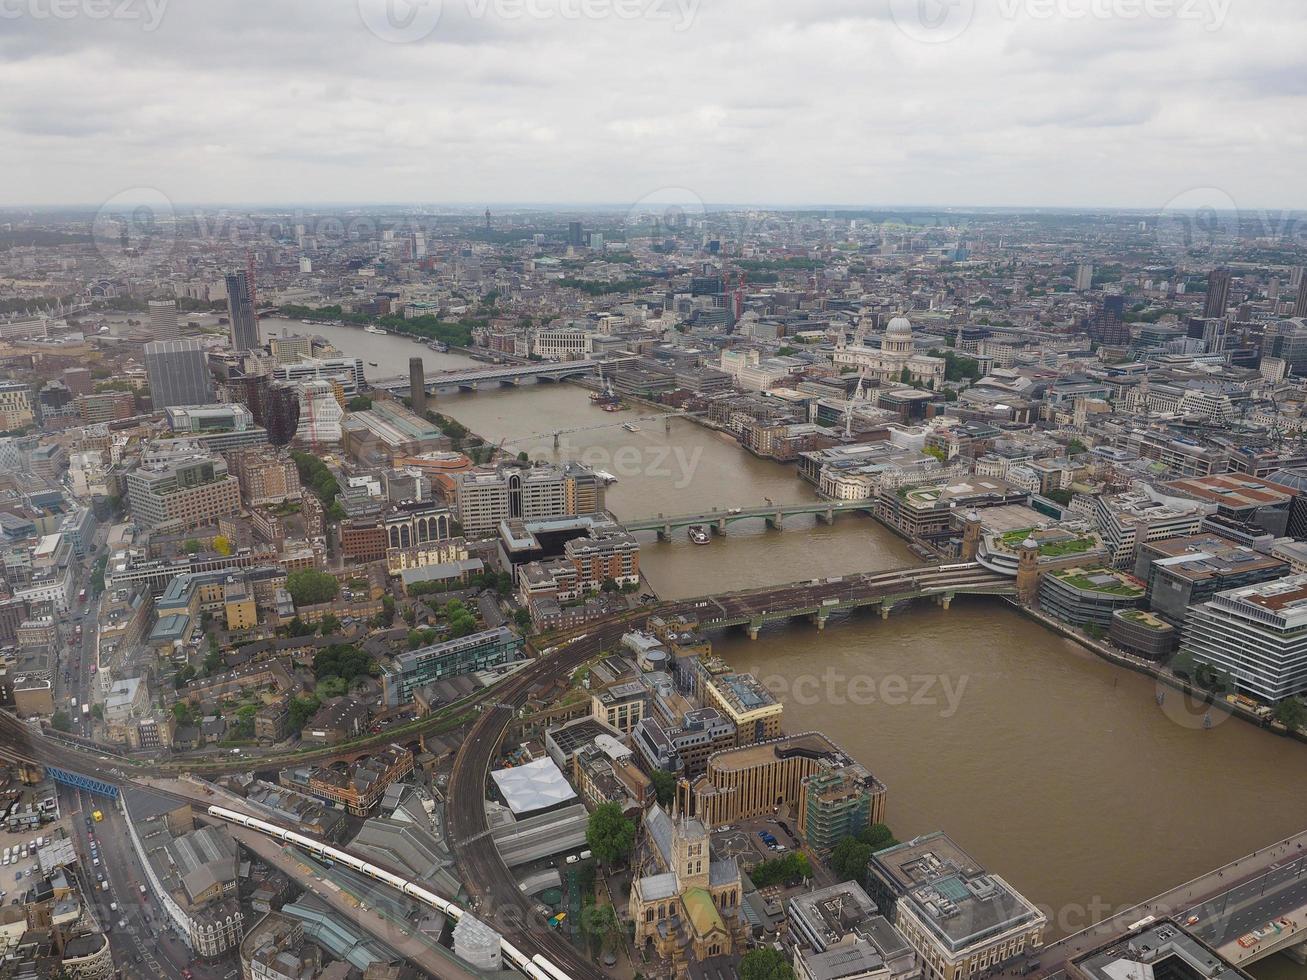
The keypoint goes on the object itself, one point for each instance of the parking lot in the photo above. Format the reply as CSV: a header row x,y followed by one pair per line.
x,y
17,875
745,840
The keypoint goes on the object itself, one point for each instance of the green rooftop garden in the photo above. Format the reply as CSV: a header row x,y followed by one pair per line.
x,y
1078,578
1144,619
1063,548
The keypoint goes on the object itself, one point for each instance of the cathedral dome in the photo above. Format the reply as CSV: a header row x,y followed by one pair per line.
x,y
900,326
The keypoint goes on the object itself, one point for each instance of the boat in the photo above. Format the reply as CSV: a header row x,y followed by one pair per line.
x,y
735,510
372,363
700,534
309,322
630,427
371,328
438,347
604,476
613,407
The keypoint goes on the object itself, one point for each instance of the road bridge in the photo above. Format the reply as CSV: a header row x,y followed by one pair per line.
x,y
1246,910
473,378
718,518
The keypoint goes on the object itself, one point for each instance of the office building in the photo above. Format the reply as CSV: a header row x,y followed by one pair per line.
x,y
320,414
16,410
184,489
345,371
163,319
1184,572
178,371
1256,635
1084,277
1218,294
837,802
240,313
749,782
486,497
961,919
745,703
1300,304
413,669
841,935
575,234
1088,597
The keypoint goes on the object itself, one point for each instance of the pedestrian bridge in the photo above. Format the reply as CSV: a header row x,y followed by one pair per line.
x,y
473,378
717,519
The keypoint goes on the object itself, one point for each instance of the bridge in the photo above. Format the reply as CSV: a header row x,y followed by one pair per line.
x,y
818,599
774,514
1246,910
473,378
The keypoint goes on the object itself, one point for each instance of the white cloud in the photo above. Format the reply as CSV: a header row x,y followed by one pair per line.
x,y
766,101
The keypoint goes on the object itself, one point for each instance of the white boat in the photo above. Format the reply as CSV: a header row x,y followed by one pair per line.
x,y
605,477
309,322
370,328
630,427
700,534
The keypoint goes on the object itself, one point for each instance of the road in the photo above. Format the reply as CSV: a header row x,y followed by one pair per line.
x,y
1273,869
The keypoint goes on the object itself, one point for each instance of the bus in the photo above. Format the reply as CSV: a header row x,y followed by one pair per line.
x,y
97,816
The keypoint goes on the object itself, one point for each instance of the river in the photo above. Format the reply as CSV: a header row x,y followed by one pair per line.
x,y
1058,771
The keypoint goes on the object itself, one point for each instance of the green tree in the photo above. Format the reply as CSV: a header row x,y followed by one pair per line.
x,y
301,710
765,963
610,834
182,712
359,403
849,859
329,625
60,722
1290,713
97,712
878,835
1075,448
309,588
664,786
191,546
791,867
522,619
332,687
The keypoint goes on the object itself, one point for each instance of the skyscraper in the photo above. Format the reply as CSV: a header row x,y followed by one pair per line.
x,y
1300,307
1218,293
574,234
179,373
240,312
163,319
417,384
1084,277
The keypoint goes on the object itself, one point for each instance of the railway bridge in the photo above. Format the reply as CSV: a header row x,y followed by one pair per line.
x,y
717,519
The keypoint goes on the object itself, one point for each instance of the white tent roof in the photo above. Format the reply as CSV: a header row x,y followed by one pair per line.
x,y
535,786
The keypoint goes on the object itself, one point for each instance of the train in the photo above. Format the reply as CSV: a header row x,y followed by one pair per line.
x,y
536,967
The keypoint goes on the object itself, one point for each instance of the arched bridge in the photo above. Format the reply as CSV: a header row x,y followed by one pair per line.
x,y
774,514
819,598
473,378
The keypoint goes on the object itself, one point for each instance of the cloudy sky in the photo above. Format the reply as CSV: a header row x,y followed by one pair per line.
x,y
1024,102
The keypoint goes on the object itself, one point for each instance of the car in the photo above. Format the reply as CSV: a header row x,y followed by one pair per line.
x,y
1189,921
188,975
18,876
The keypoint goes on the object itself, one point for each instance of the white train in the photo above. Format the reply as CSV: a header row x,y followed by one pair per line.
x,y
536,967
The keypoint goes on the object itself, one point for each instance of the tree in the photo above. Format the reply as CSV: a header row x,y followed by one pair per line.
x,y
309,588
1076,448
1290,713
222,545
664,786
182,712
97,712
791,867
191,546
878,835
359,403
610,834
332,687
522,619
765,963
329,625
61,722
301,710
849,859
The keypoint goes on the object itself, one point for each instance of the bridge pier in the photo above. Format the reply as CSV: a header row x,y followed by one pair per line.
x,y
665,533
884,610
819,619
557,439
944,600
720,526
1297,953
754,627
777,521
825,517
